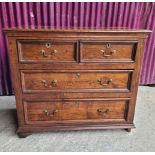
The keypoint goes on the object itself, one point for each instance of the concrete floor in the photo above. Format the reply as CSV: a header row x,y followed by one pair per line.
x,y
140,139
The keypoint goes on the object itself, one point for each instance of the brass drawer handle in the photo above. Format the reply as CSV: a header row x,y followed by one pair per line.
x,y
54,52
45,83
103,112
107,53
77,75
53,83
52,113
43,53
104,81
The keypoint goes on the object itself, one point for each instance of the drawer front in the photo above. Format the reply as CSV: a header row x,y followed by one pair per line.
x,y
35,51
76,110
83,81
107,51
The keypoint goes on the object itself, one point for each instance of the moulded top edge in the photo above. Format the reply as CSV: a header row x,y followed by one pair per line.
x,y
100,30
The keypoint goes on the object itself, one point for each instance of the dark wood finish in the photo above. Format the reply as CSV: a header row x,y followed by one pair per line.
x,y
80,66
75,110
37,51
81,81
46,96
107,51
75,79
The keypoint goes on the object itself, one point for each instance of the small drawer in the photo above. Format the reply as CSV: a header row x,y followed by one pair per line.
x,y
76,81
95,51
37,51
106,110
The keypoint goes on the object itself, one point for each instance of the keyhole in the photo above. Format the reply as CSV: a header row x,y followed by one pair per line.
x,y
108,45
48,45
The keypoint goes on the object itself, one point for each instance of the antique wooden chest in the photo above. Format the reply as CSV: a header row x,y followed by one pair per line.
x,y
75,79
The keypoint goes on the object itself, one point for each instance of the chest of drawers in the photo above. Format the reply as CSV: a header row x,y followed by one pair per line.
x,y
75,79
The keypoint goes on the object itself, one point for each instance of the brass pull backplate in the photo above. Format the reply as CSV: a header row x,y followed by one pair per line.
x,y
52,113
54,83
46,83
77,75
103,112
43,52
104,81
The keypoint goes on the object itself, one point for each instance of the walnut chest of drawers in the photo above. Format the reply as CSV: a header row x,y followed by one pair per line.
x,y
75,79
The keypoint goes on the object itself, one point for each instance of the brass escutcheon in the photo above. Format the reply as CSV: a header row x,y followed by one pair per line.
x,y
48,45
108,45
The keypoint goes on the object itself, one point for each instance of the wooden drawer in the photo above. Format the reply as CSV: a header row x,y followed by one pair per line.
x,y
37,51
105,110
111,51
76,81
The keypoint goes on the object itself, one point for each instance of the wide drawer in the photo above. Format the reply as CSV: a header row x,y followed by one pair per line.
x,y
106,110
107,51
76,81
37,51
